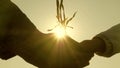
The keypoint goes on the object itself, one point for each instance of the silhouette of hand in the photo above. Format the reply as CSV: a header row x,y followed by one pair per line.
x,y
67,53
81,54
46,51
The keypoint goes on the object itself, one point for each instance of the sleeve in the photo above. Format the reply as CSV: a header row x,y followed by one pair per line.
x,y
111,38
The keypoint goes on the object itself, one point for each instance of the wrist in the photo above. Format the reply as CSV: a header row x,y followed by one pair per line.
x,y
98,45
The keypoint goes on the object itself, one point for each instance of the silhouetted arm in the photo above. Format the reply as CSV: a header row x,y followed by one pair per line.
x,y
19,36
15,28
106,43
111,38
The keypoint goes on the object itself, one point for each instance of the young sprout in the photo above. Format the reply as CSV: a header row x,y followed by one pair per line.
x,y
63,21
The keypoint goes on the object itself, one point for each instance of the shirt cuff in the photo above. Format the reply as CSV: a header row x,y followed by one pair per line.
x,y
109,46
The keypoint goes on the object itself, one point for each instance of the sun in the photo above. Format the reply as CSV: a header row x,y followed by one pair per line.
x,y
59,32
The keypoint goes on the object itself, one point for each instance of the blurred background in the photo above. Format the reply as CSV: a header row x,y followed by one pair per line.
x,y
93,17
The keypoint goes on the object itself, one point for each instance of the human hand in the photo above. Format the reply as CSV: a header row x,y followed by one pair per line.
x,y
81,52
67,53
89,47
46,51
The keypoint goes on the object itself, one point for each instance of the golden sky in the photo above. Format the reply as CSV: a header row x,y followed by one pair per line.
x,y
93,17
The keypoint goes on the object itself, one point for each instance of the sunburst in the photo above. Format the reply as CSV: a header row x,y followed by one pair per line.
x,y
60,32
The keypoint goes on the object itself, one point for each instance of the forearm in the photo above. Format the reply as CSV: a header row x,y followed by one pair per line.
x,y
111,38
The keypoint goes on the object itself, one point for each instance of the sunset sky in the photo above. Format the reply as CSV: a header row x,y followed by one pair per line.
x,y
93,17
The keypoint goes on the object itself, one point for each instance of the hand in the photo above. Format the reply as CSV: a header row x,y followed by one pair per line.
x,y
46,51
66,53
89,47
82,53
